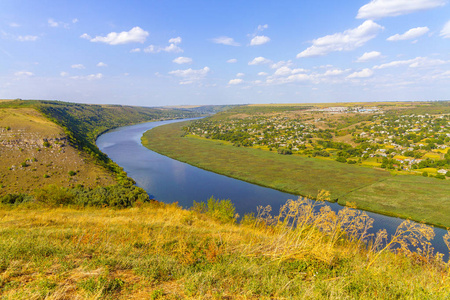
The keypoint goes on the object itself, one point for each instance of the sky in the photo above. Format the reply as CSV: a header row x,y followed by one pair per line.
x,y
164,52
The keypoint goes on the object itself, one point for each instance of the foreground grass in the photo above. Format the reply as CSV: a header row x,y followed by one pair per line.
x,y
415,197
161,251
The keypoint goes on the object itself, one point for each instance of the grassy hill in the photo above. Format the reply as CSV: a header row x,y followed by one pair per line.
x,y
52,142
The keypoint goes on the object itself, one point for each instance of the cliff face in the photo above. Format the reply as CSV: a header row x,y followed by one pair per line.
x,y
35,152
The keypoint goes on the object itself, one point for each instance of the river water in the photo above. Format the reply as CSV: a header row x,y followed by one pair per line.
x,y
169,180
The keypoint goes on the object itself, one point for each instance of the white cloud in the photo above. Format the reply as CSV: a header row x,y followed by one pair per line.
x,y
151,49
85,36
135,50
52,23
361,74
64,74
262,27
27,38
78,66
89,77
334,72
190,76
289,79
235,81
445,32
13,24
23,74
101,64
281,63
262,74
224,40
232,61
74,20
377,9
409,35
182,60
285,71
345,41
418,62
173,48
369,56
175,41
240,75
135,35
259,61
259,40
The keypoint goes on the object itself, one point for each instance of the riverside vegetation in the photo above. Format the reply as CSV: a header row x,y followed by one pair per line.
x,y
319,138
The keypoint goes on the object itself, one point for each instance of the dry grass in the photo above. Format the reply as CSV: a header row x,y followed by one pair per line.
x,y
27,163
160,251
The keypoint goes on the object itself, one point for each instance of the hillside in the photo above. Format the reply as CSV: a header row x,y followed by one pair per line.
x,y
52,142
35,152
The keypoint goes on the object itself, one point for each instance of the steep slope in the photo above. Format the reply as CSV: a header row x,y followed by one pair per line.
x,y
35,152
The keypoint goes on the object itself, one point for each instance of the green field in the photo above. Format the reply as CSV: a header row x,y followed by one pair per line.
x,y
420,198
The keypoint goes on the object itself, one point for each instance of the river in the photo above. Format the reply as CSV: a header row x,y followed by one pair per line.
x,y
169,180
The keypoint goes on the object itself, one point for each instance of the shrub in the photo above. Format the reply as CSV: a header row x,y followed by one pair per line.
x,y
341,159
222,210
14,198
53,195
284,151
72,173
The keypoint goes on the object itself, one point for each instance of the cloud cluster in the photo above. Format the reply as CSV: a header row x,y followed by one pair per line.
x,y
23,74
418,62
259,40
409,35
345,41
377,9
134,35
89,77
369,56
259,61
235,81
225,40
78,66
171,48
361,74
27,38
445,32
190,75
182,60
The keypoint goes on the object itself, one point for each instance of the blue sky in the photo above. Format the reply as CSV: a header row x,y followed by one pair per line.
x,y
155,53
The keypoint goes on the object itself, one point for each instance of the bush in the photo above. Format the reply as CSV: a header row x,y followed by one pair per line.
x,y
284,151
72,173
14,198
53,195
425,174
341,159
222,210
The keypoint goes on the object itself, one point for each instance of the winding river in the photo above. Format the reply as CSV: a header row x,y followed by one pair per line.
x,y
169,180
